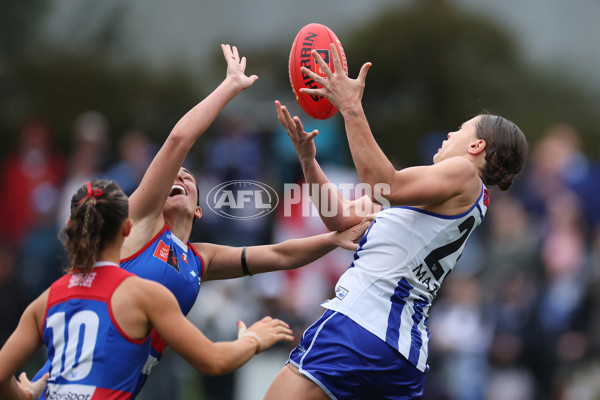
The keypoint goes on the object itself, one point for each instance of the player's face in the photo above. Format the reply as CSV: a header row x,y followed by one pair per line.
x,y
458,141
183,192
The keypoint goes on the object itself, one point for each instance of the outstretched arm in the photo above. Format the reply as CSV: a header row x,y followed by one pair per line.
x,y
223,262
213,358
410,186
146,203
326,196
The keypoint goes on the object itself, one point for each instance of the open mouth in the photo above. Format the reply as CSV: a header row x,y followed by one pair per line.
x,y
177,190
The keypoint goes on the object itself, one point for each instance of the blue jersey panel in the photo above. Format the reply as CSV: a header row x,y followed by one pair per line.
x,y
167,260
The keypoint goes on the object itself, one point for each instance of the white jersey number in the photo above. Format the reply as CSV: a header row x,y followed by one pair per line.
x,y
73,345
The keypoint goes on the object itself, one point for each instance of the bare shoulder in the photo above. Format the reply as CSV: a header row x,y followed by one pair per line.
x,y
141,233
142,291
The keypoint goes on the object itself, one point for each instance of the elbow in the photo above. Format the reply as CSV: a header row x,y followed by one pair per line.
x,y
375,177
216,371
214,368
178,138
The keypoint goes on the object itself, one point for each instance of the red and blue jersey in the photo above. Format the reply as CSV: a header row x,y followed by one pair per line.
x,y
170,262
177,266
90,356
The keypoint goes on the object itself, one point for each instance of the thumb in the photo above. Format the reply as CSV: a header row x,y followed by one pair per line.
x,y
362,75
313,134
35,388
241,329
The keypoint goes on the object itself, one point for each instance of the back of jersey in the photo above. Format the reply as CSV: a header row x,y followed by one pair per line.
x,y
91,357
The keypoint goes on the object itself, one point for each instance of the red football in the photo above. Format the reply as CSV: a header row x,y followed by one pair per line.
x,y
313,37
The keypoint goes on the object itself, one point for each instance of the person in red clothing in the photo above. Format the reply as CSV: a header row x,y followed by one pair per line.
x,y
28,175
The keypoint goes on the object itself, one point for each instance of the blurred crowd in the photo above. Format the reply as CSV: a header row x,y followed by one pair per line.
x,y
518,319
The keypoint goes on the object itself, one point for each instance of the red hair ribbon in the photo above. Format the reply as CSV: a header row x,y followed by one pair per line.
x,y
91,193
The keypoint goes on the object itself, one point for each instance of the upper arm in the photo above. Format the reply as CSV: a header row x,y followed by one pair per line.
x,y
149,197
220,262
24,341
433,184
147,201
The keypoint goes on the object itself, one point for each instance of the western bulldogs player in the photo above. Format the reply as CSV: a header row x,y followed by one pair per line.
x,y
96,319
372,341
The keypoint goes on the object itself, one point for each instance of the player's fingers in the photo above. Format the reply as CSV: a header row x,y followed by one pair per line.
x,y
226,51
314,76
369,218
312,135
243,63
298,126
362,75
313,92
23,378
280,323
279,110
337,62
324,66
282,115
289,123
235,53
280,337
348,245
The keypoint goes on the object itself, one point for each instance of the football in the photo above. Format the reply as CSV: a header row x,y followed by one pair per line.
x,y
313,37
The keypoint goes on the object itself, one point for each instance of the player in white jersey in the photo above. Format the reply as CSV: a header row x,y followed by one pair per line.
x,y
372,341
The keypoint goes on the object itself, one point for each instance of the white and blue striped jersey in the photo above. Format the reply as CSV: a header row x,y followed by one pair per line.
x,y
397,270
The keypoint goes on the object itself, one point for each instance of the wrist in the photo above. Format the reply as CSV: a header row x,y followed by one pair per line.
x,y
254,338
233,85
334,238
254,342
352,111
306,161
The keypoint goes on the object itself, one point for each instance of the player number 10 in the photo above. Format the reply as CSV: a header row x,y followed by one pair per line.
x,y
76,349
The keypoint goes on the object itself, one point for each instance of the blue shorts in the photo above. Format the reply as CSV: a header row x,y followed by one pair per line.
x,y
349,362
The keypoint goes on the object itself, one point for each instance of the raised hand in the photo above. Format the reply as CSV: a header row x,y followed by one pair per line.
x,y
236,67
302,141
342,91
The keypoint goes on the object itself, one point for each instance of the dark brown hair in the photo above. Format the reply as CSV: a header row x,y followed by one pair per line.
x,y
506,150
98,210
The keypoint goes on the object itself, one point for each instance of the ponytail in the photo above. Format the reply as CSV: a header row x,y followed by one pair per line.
x,y
98,209
506,150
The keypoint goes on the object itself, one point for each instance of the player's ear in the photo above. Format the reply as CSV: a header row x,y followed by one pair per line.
x,y
126,229
68,223
476,147
198,212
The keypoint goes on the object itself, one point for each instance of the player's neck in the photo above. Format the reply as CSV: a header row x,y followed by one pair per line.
x,y
111,253
180,227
